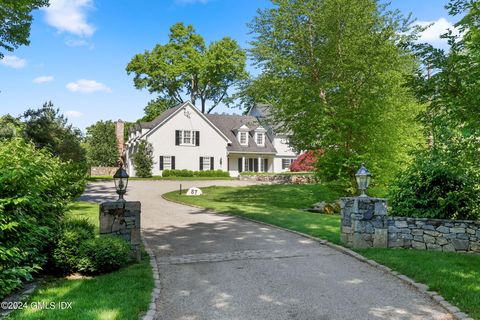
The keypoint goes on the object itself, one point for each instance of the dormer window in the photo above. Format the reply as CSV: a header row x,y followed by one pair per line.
x,y
243,137
260,138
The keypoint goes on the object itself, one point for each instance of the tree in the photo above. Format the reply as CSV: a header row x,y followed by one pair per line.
x,y
334,73
444,179
156,107
10,127
143,160
47,128
15,22
187,66
101,144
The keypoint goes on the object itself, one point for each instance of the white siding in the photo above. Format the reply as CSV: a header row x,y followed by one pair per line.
x,y
212,144
284,151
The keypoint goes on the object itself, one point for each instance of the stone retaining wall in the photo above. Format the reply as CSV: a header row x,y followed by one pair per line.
x,y
102,171
433,234
365,224
280,178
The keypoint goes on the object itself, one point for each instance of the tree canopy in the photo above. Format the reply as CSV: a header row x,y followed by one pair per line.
x,y
15,22
334,73
186,66
101,144
49,129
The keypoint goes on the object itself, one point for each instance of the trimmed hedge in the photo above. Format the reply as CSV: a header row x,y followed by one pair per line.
x,y
66,253
103,254
190,173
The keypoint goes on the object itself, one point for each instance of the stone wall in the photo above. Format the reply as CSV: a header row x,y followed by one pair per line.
x,y
365,224
280,178
102,171
434,234
122,219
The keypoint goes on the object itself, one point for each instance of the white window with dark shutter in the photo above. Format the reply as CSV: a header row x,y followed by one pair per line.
x,y
187,138
167,163
207,163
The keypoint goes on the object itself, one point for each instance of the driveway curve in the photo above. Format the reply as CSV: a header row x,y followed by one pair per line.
x,y
219,267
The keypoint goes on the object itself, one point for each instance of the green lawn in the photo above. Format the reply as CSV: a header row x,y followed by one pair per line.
x,y
455,276
123,294
154,178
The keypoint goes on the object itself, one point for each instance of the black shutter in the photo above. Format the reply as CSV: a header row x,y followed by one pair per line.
x,y
255,165
201,163
250,165
212,165
177,137
173,163
197,138
161,162
265,165
240,167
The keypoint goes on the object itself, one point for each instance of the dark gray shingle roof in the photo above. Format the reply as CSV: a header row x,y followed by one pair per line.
x,y
229,124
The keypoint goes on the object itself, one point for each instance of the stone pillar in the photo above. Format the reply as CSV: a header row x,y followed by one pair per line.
x,y
122,219
260,164
364,222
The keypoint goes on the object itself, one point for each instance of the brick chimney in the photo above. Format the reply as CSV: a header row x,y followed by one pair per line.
x,y
119,132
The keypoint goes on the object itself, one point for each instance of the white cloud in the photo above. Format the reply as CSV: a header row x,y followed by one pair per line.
x,y
70,16
87,86
73,114
432,34
42,79
76,42
13,62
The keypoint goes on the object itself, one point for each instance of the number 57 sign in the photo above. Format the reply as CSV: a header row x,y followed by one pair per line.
x,y
194,192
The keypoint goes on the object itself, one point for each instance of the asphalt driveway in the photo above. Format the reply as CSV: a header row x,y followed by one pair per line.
x,y
218,267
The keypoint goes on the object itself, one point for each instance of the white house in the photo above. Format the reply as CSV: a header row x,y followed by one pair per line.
x,y
184,138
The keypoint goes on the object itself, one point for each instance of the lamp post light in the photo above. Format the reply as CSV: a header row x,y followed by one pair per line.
x,y
121,182
363,177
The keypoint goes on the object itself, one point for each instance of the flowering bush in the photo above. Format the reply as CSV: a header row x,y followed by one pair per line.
x,y
304,162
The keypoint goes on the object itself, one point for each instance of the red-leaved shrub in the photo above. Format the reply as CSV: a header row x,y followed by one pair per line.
x,y
304,162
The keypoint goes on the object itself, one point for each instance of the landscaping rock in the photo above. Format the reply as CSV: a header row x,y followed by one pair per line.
x,y
419,245
460,245
443,229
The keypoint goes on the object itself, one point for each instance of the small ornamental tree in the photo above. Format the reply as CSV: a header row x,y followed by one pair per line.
x,y
304,162
143,160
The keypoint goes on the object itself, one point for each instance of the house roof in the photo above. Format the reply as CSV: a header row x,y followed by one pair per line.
x,y
229,125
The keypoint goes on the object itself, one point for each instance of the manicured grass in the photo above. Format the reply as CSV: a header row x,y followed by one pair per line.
x,y
155,178
84,210
123,294
455,276
276,204
287,173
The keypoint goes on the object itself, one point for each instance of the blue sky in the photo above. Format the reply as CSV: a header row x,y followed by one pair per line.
x,y
79,50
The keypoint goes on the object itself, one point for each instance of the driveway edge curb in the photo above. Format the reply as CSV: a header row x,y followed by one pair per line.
x,y
420,287
152,309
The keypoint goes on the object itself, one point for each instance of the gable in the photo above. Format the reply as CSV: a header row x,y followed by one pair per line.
x,y
187,117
